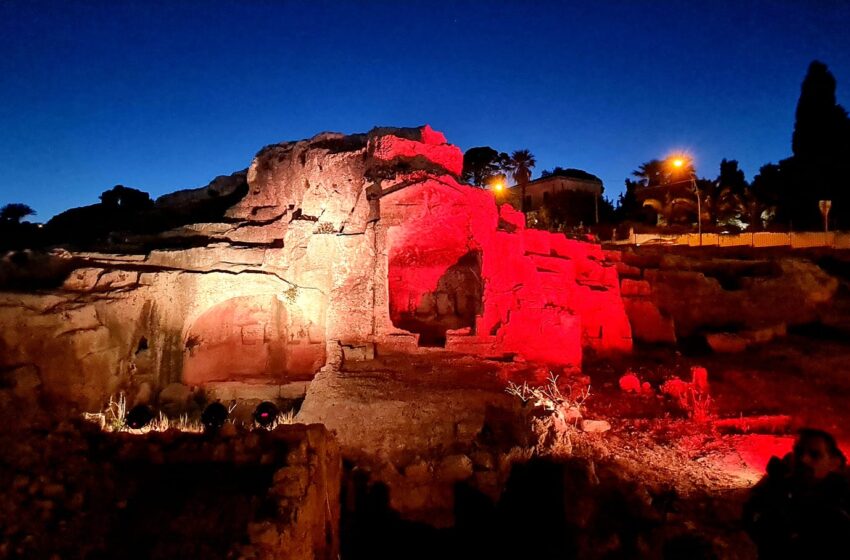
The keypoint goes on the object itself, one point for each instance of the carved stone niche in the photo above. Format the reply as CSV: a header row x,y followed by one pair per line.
x,y
251,338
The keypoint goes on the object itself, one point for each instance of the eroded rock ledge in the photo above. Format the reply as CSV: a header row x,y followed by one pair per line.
x,y
730,300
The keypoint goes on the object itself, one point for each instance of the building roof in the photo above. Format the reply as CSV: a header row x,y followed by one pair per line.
x,y
578,175
570,183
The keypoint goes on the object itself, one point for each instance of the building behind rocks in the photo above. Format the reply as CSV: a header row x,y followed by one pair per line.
x,y
540,192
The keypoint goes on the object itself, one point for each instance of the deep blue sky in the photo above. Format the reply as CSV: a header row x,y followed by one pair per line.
x,y
162,96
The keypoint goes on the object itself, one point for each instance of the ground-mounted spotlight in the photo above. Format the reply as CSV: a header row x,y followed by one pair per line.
x,y
139,417
265,414
213,417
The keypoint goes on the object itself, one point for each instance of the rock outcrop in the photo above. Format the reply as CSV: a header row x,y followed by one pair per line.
x,y
73,491
325,249
732,302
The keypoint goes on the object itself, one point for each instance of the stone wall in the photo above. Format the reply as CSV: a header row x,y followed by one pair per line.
x,y
671,295
79,493
794,239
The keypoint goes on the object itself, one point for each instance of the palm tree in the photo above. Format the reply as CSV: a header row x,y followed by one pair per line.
x,y
662,172
651,173
519,165
15,212
666,187
671,208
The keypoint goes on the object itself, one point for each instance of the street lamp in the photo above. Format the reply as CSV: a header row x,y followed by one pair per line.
x,y
824,206
678,163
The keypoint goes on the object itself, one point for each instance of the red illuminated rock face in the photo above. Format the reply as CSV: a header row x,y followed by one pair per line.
x,y
341,244
544,297
431,147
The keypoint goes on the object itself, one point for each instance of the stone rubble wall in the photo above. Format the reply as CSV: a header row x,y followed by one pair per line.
x,y
794,239
670,296
79,492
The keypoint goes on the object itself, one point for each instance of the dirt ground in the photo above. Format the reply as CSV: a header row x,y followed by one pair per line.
x,y
695,474
759,399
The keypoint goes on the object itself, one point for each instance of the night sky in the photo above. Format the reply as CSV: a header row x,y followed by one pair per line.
x,y
162,96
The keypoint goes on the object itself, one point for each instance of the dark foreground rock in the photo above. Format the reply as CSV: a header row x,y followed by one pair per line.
x,y
73,491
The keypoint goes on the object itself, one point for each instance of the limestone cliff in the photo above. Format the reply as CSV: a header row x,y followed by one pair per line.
x,y
328,248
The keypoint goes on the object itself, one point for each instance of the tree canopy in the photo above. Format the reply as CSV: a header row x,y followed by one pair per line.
x,y
662,172
651,173
570,173
628,206
15,212
821,127
519,165
731,177
819,168
482,163
125,198
786,193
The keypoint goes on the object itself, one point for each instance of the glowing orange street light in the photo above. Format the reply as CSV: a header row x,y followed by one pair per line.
x,y
678,163
498,186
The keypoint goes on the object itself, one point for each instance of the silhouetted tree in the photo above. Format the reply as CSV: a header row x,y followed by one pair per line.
x,y
481,163
493,179
15,212
607,212
725,207
726,197
15,234
732,177
668,190
570,173
519,165
660,172
769,188
651,173
125,198
674,207
821,128
628,207
820,166
121,210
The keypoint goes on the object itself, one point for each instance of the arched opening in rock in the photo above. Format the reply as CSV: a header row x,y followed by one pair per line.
x,y
251,338
452,304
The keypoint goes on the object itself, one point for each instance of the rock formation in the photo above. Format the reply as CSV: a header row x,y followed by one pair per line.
x,y
338,247
732,301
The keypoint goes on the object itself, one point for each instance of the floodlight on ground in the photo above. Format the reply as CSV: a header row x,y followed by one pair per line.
x,y
265,414
139,417
214,416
